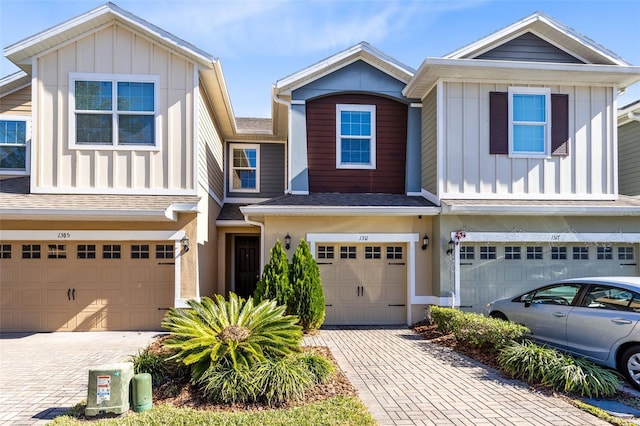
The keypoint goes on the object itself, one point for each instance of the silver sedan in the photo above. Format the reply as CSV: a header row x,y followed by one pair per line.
x,y
592,317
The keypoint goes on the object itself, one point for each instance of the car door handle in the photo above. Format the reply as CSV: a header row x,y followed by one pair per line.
x,y
559,314
620,321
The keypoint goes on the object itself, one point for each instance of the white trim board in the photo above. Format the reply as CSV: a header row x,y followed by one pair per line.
x,y
84,235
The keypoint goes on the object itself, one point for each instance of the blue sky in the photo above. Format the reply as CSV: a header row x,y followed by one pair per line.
x,y
262,41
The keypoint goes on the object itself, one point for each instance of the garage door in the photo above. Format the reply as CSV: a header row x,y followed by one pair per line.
x,y
363,284
54,286
490,272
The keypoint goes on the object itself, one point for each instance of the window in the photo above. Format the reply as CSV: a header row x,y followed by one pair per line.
x,y
512,253
86,251
244,170
562,294
111,251
5,251
625,253
487,253
14,135
558,253
355,136
467,252
31,251
373,252
164,251
581,253
534,253
611,298
528,122
326,252
113,111
394,252
604,253
57,251
347,252
140,251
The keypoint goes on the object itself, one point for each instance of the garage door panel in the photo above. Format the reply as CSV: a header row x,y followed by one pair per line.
x,y
87,274
32,320
513,273
110,319
112,274
8,273
140,274
31,274
31,297
9,297
59,274
58,296
112,297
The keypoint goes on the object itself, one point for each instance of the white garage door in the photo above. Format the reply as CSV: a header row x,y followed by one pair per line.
x,y
490,272
54,286
363,284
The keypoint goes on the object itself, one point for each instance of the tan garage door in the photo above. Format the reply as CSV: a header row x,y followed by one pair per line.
x,y
363,284
69,286
494,271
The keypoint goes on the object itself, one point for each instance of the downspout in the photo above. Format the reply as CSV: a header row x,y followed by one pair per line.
x,y
280,101
261,226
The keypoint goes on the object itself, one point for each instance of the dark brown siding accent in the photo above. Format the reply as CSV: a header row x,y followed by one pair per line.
x,y
391,142
559,124
498,123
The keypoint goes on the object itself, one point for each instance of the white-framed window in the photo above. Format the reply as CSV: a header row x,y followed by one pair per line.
x,y
15,137
487,252
625,253
467,253
113,111
529,121
558,253
355,136
244,173
512,253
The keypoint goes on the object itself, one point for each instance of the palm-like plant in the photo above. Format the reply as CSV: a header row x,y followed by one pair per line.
x,y
235,331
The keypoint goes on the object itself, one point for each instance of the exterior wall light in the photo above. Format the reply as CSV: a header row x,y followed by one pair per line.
x,y
185,243
425,242
451,246
287,241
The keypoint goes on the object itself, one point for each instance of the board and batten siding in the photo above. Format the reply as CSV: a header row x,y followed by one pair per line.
x,y
272,172
115,49
430,142
470,171
210,149
629,158
17,103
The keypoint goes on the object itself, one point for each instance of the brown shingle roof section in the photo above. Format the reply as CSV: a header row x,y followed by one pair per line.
x,y
231,212
254,125
349,200
15,196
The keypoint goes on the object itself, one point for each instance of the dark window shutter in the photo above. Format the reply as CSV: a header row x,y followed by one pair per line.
x,y
498,123
559,124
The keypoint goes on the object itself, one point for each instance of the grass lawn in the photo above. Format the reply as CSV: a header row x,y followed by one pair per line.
x,y
338,410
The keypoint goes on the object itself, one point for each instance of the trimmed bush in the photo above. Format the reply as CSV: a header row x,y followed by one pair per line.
x,y
234,331
307,296
446,319
146,361
562,372
282,380
489,334
320,367
274,283
228,385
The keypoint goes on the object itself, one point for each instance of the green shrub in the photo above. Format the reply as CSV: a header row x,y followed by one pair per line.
x,y
274,283
281,380
234,331
320,367
446,319
226,384
489,334
146,361
564,373
307,296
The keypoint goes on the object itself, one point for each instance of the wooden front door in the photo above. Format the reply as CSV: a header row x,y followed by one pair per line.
x,y
247,265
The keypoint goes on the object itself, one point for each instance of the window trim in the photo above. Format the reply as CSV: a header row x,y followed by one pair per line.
x,y
546,124
27,144
233,146
372,138
114,79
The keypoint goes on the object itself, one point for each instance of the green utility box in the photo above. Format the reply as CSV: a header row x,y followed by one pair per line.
x,y
109,389
141,392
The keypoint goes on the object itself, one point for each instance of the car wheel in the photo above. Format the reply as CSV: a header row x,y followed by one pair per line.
x,y
630,365
498,315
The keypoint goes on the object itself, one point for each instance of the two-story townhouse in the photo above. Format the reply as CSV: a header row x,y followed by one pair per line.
x,y
519,145
629,149
111,163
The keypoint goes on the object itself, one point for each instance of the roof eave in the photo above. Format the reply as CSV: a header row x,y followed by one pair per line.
x,y
502,210
339,210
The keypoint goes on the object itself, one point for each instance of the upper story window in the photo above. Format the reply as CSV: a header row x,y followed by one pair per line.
x,y
355,136
113,111
14,135
245,168
529,117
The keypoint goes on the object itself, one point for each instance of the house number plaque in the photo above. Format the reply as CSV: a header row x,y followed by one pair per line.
x,y
64,235
363,238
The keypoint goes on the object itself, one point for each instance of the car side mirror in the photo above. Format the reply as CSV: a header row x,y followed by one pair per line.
x,y
527,298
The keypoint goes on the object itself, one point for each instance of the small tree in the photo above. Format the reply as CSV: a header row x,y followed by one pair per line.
x,y
274,282
307,299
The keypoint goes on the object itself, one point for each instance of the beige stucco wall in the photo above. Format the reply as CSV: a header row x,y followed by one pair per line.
x,y
114,49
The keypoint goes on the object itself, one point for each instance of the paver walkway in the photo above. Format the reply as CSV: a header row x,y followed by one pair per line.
x,y
42,375
406,380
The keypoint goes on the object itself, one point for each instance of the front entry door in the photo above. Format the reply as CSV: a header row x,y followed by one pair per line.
x,y
247,265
